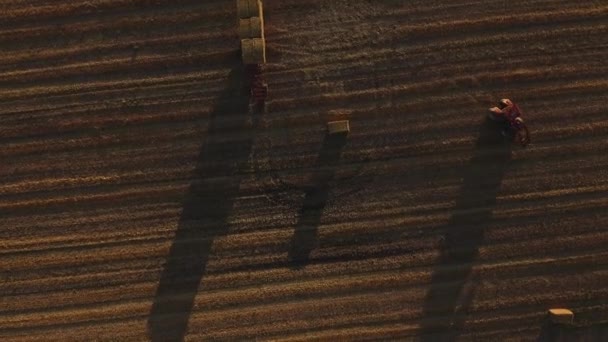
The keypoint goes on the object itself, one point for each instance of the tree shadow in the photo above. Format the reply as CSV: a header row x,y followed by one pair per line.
x,y
206,208
304,239
450,292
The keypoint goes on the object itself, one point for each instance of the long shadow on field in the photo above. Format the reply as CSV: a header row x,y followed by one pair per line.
x,y
206,209
447,300
304,239
551,332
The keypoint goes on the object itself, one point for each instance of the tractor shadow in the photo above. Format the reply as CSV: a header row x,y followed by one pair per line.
x,y
304,239
206,209
446,302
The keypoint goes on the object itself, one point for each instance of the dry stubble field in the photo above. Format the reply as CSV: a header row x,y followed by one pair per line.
x,y
141,199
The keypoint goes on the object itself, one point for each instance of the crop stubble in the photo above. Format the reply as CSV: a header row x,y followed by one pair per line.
x,y
106,106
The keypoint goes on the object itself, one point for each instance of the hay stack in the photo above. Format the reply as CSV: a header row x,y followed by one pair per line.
x,y
253,50
251,28
561,316
251,31
249,8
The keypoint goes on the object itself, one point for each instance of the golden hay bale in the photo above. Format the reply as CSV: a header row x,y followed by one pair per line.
x,y
248,8
251,28
253,50
341,126
563,316
337,114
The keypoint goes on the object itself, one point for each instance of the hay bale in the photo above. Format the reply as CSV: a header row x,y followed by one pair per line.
x,y
337,114
248,8
561,316
338,127
253,50
251,28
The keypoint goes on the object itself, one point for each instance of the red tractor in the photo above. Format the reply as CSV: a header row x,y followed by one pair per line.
x,y
510,114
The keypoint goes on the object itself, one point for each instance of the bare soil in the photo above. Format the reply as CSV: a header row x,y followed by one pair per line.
x,y
141,197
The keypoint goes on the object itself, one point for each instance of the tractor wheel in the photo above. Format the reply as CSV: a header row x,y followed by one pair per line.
x,y
523,135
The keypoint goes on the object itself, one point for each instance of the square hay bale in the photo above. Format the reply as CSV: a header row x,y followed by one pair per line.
x,y
337,114
561,316
338,127
249,8
251,28
253,51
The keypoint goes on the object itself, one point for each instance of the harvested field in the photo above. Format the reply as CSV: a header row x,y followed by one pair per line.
x,y
142,199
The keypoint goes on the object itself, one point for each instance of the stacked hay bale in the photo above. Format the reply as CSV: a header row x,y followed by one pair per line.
x,y
248,8
251,31
253,51
251,28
